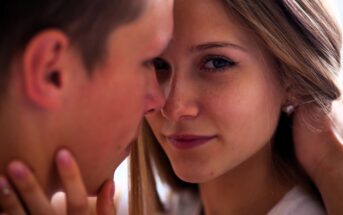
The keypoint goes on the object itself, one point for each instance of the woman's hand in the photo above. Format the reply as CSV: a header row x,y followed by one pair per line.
x,y
35,200
318,140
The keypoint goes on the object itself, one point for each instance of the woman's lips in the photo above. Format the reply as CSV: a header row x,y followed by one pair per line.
x,y
189,141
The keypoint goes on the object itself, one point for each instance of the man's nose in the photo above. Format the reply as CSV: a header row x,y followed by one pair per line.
x,y
154,99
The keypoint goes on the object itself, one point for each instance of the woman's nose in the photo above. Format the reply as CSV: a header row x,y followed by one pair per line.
x,y
180,103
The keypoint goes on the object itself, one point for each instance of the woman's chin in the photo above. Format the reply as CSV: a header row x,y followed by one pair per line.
x,y
194,176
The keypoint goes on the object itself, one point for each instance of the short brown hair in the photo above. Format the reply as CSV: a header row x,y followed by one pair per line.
x,y
87,23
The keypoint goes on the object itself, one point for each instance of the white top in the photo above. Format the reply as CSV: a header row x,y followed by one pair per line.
x,y
296,202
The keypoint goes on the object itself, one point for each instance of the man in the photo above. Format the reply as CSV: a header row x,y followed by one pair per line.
x,y
76,75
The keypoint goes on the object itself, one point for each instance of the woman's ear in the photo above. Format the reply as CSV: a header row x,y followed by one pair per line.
x,y
43,70
290,100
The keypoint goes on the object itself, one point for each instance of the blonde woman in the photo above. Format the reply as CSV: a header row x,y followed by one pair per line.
x,y
233,76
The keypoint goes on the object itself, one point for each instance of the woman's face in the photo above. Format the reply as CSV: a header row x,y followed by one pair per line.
x,y
223,94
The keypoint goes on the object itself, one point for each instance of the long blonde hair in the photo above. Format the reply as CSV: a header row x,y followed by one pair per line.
x,y
305,42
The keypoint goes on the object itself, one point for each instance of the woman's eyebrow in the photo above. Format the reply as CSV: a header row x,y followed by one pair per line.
x,y
211,45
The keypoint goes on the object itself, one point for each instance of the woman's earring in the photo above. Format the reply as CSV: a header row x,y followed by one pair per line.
x,y
288,109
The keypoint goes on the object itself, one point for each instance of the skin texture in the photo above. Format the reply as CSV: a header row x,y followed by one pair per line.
x,y
218,82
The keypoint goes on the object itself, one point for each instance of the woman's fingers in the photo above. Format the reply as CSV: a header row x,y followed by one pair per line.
x,y
9,202
77,202
105,201
320,151
29,189
318,138
34,198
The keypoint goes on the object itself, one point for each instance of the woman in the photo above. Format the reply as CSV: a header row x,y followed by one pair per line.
x,y
233,76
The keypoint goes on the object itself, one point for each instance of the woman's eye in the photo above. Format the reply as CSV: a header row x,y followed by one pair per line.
x,y
214,64
163,70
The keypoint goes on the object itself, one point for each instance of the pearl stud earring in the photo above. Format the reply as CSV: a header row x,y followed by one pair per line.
x,y
288,109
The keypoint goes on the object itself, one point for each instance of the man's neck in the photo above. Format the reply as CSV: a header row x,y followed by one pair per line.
x,y
20,139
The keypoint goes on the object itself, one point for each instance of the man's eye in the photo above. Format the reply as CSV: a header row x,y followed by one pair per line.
x,y
163,70
216,64
161,64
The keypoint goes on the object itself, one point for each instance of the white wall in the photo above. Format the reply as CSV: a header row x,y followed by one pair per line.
x,y
337,8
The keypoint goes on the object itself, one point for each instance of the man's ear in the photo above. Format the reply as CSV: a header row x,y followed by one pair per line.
x,y
43,69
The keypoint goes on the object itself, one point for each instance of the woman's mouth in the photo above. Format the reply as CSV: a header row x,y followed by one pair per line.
x,y
187,141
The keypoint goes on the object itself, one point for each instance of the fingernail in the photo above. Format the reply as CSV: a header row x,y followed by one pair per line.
x,y
17,170
4,186
63,158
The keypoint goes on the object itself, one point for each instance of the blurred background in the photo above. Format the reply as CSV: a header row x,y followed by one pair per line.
x,y
337,8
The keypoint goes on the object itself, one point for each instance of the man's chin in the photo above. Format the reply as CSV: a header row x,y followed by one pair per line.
x,y
93,192
95,188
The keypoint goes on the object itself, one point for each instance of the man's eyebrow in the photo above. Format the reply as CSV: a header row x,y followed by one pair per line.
x,y
211,45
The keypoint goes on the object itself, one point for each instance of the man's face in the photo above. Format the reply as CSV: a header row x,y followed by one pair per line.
x,y
105,109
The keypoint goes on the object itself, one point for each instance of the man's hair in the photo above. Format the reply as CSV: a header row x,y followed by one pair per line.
x,y
87,23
